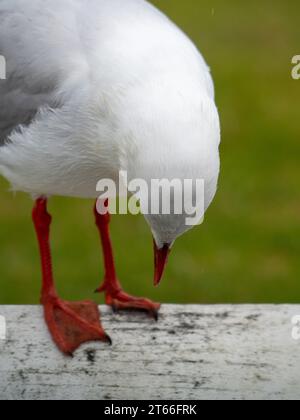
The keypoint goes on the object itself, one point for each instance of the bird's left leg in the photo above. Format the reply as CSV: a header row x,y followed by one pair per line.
x,y
70,323
114,295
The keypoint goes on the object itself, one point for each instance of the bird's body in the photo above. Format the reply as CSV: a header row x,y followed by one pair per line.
x,y
90,86
95,87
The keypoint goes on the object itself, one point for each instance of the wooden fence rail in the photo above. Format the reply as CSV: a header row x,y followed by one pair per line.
x,y
193,352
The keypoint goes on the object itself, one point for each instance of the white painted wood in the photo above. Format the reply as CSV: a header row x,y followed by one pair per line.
x,y
193,352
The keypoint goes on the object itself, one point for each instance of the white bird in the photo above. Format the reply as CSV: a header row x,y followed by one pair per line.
x,y
95,87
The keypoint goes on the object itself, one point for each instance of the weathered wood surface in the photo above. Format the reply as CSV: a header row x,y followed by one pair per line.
x,y
193,352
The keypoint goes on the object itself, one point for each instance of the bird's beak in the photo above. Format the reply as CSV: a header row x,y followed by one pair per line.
x,y
160,261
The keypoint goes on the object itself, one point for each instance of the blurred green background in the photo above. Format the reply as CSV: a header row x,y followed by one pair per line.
x,y
248,250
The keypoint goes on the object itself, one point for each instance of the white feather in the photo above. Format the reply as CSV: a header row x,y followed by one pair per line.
x,y
99,86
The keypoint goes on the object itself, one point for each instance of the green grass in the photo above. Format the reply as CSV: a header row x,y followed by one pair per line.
x,y
248,249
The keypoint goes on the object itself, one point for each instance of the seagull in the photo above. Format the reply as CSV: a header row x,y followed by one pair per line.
x,y
93,88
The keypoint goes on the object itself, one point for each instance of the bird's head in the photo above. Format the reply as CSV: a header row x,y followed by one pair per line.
x,y
175,201
172,208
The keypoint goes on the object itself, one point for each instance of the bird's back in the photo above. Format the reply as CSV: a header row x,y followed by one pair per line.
x,y
50,44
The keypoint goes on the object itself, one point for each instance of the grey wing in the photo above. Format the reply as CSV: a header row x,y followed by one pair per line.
x,y
19,100
18,107
25,89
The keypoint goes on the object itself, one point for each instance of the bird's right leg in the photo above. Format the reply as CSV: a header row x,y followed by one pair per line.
x,y
70,323
114,294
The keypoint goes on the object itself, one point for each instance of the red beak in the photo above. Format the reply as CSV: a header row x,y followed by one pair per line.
x,y
160,262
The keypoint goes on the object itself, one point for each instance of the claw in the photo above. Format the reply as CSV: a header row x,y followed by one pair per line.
x,y
155,316
108,340
100,289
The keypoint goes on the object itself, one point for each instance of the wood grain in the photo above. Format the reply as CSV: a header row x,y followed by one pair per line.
x,y
193,352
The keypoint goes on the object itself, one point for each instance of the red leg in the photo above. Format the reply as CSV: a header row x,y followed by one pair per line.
x,y
70,323
114,295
